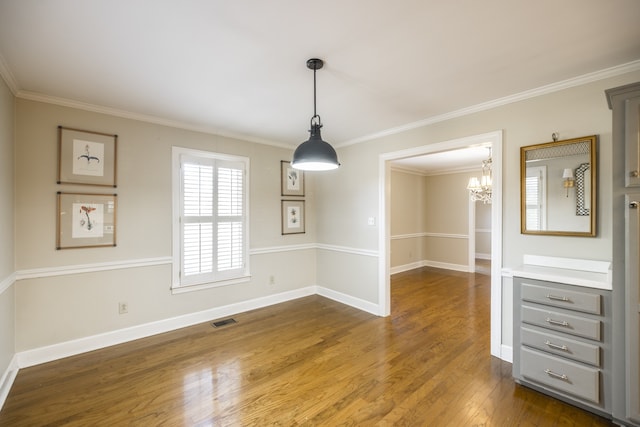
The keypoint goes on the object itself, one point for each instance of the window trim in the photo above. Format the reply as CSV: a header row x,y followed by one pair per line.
x,y
177,153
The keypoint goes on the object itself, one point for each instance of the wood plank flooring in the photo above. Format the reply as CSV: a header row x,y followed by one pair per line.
x,y
311,362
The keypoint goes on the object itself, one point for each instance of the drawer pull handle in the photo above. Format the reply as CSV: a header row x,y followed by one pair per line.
x,y
556,375
557,298
556,346
633,205
634,174
556,322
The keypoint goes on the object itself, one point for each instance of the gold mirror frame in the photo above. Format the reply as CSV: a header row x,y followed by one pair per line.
x,y
550,209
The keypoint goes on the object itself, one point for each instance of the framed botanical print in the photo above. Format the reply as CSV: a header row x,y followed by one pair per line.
x,y
293,216
86,220
292,180
86,157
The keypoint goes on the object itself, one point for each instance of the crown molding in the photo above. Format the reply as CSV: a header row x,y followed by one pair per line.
x,y
7,76
425,173
542,90
64,102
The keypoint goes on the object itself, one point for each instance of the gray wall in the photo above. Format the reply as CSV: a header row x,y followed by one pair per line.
x,y
429,222
54,308
352,193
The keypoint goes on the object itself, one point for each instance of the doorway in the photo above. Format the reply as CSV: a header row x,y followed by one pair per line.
x,y
494,139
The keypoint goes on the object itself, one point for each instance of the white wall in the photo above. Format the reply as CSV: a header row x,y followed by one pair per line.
x,y
53,308
352,193
7,263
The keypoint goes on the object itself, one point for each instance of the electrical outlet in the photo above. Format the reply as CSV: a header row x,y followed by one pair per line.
x,y
123,307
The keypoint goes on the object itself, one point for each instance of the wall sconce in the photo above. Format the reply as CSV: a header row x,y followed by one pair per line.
x,y
569,180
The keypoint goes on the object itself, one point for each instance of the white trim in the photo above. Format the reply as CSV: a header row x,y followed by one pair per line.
x,y
421,172
483,256
405,267
279,249
6,283
90,268
496,246
543,90
483,230
494,139
446,266
149,262
506,353
6,381
209,285
346,249
507,272
471,244
427,263
555,87
7,76
427,234
358,303
82,345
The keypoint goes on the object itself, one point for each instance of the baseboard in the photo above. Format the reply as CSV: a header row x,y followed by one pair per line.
x,y
349,300
95,342
406,267
6,381
506,353
426,263
447,266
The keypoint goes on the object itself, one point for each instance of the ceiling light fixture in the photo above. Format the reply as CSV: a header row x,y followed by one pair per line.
x,y
480,189
315,154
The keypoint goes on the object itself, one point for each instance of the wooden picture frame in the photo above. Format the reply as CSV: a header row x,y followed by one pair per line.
x,y
291,180
86,157
86,220
293,212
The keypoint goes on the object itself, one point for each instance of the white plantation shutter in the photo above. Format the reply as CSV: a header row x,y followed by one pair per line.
x,y
230,214
212,218
535,192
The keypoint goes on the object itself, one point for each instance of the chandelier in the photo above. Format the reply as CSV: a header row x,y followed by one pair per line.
x,y
480,189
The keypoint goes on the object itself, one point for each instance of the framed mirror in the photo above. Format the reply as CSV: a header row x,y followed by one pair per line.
x,y
558,187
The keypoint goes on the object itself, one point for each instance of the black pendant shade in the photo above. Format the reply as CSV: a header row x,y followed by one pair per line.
x,y
315,154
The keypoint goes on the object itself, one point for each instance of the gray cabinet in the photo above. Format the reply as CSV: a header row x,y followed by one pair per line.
x,y
625,103
632,142
632,309
562,341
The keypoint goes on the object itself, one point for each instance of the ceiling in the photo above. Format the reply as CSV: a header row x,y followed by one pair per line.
x,y
238,68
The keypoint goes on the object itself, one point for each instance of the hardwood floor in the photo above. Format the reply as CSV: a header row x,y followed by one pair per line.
x,y
310,361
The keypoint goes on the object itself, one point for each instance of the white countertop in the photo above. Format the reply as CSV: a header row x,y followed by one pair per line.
x,y
587,273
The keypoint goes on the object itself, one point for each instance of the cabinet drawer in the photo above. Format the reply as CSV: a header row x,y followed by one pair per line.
x,y
562,346
581,326
573,300
560,374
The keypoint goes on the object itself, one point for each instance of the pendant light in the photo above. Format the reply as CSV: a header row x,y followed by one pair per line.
x,y
315,154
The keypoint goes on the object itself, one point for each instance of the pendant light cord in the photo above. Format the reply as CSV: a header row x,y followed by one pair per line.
x,y
314,102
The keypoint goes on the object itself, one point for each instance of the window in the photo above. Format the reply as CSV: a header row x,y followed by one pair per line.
x,y
536,217
210,221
